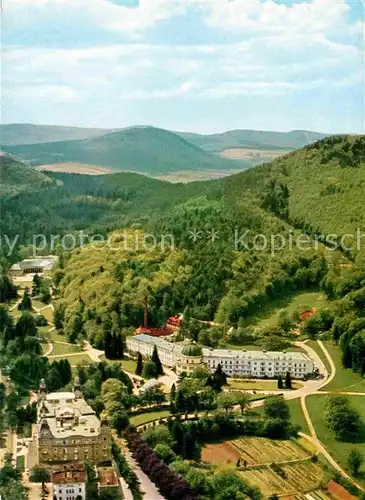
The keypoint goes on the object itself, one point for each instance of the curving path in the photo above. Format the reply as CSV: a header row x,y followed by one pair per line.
x,y
330,361
313,387
313,438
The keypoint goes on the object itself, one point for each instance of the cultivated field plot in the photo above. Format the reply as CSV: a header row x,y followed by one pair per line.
x,y
295,478
220,453
75,168
313,495
257,451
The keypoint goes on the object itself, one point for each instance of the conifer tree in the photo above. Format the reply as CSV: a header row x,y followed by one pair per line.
x,y
288,381
108,345
36,284
26,302
280,382
155,358
362,368
139,367
173,392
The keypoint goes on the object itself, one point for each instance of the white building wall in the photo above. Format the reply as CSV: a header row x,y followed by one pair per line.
x,y
260,367
69,491
234,363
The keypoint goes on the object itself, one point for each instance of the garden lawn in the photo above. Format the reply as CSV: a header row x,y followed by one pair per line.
x,y
338,449
48,314
37,304
345,379
144,418
129,365
15,313
315,346
259,385
54,335
75,359
20,462
297,415
256,347
64,348
269,315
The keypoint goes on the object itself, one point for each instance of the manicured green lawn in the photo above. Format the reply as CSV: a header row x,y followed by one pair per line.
x,y
65,349
256,347
315,346
258,385
48,314
297,415
20,462
54,335
15,313
45,348
38,304
345,379
269,315
338,449
129,365
144,418
81,358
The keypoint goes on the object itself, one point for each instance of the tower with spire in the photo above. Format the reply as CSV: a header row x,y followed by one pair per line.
x,y
42,391
77,388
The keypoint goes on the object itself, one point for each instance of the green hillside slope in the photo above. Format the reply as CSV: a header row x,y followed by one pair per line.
x,y
139,149
16,177
326,184
256,139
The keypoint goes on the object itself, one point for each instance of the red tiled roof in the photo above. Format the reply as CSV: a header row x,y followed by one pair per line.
x,y
307,314
163,331
68,476
107,477
338,491
174,320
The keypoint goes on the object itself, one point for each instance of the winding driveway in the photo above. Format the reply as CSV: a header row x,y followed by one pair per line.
x,y
313,438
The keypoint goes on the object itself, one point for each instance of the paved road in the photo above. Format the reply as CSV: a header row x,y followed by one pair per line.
x,y
330,459
314,438
147,486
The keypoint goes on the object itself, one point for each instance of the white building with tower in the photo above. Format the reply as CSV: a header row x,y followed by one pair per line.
x,y
235,363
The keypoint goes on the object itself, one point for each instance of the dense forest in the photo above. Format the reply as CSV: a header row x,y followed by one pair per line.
x,y
206,267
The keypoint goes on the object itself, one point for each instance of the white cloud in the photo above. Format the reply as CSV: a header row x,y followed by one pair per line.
x,y
129,21
39,92
267,16
135,71
272,49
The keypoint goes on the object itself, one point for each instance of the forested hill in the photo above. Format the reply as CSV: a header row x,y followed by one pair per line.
x,y
324,184
138,149
256,139
319,188
16,177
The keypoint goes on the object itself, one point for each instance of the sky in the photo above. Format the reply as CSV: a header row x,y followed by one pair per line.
x,y
188,65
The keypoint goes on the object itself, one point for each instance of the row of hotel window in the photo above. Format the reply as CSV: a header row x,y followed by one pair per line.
x,y
255,364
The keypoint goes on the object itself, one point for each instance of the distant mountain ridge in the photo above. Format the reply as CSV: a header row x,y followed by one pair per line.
x,y
149,150
24,133
14,134
139,149
256,139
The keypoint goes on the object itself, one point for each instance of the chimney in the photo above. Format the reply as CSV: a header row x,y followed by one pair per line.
x,y
145,322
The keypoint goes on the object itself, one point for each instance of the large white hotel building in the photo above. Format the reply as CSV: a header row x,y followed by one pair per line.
x,y
235,363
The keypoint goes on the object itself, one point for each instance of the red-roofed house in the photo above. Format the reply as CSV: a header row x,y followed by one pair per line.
x,y
162,331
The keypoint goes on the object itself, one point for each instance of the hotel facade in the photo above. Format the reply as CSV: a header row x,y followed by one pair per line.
x,y
69,430
235,363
